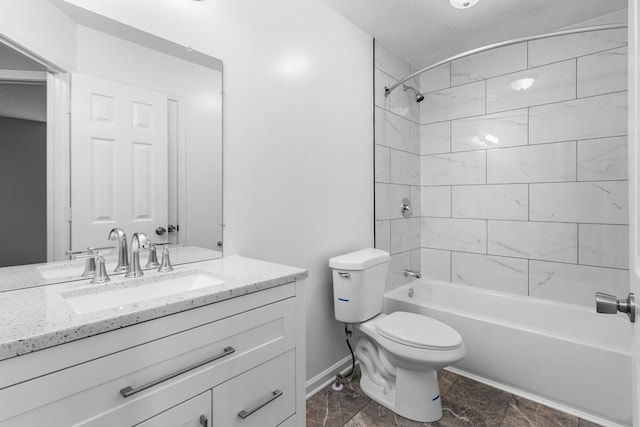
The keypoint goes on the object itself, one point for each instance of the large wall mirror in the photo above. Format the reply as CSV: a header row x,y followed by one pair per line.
x,y
128,136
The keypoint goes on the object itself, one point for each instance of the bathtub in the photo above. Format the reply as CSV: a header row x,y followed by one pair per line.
x,y
564,356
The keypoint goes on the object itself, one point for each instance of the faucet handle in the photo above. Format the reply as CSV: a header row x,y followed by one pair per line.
x,y
100,275
153,257
165,266
90,265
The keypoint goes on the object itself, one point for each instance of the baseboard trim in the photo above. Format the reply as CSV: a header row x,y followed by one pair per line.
x,y
326,377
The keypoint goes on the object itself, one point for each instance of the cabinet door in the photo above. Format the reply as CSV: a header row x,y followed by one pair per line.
x,y
195,412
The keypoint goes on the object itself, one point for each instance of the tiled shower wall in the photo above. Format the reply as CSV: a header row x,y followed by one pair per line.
x,y
522,191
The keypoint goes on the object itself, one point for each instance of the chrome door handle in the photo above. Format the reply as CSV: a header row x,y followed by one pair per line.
x,y
244,413
130,391
609,304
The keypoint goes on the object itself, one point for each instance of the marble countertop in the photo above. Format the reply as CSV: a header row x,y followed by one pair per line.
x,y
35,318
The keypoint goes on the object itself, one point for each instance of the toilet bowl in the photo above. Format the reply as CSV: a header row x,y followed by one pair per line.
x,y
399,352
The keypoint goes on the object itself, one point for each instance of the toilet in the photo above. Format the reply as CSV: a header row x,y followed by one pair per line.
x,y
399,352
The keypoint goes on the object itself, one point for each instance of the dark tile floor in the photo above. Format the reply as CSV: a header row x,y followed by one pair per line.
x,y
464,402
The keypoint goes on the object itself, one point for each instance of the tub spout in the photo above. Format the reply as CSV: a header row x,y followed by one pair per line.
x,y
412,273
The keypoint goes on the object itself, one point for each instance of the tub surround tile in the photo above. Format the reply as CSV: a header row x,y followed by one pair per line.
x,y
436,79
386,60
524,412
466,235
552,83
540,163
397,132
490,272
405,234
603,159
497,130
603,72
575,284
454,103
383,235
416,201
586,118
436,201
454,169
603,245
592,202
488,64
382,164
403,103
556,49
435,138
534,240
436,264
398,264
388,200
404,168
380,81
509,202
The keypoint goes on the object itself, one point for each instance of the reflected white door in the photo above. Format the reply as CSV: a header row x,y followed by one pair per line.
x,y
634,195
118,161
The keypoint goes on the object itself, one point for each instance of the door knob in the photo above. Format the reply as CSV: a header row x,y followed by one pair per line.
x,y
172,228
160,231
609,304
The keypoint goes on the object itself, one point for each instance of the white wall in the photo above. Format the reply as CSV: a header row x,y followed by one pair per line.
x,y
298,169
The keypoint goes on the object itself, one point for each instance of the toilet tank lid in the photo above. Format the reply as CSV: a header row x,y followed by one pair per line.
x,y
359,260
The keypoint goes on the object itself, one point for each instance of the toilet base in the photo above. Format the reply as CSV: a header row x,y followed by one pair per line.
x,y
416,395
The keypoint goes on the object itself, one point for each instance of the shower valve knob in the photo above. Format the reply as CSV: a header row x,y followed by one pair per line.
x,y
609,304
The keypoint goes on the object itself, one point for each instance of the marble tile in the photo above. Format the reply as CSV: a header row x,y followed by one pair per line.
x,y
382,164
488,64
603,245
490,201
594,117
575,284
387,61
468,167
404,104
552,83
454,103
405,234
603,159
585,423
436,201
436,264
330,408
534,240
380,81
416,201
446,379
540,163
404,168
470,403
490,272
556,49
465,235
396,132
507,129
397,266
436,78
435,138
383,235
525,413
603,72
376,415
388,200
416,259
603,202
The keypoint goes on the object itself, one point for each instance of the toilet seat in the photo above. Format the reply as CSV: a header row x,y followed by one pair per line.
x,y
418,331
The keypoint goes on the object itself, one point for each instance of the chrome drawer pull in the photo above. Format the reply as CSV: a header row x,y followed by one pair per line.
x,y
244,414
129,391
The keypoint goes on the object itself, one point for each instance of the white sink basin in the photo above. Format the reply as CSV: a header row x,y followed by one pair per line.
x,y
139,290
61,272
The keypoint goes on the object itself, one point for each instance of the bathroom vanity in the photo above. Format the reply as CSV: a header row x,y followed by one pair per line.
x,y
224,346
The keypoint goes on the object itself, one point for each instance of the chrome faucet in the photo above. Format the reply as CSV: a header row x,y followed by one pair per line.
x,y
123,254
138,241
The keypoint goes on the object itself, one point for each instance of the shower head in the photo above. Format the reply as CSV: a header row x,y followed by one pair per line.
x,y
419,96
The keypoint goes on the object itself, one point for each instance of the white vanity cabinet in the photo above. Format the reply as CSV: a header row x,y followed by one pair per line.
x,y
235,362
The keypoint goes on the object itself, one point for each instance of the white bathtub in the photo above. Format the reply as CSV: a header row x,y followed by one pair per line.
x,y
564,356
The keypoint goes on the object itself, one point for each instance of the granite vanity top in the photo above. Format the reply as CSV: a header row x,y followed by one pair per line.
x,y
36,318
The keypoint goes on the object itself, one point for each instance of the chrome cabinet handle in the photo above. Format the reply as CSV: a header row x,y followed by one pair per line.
x,y
130,391
204,422
244,413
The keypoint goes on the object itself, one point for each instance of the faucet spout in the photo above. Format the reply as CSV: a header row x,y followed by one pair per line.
x,y
123,254
138,241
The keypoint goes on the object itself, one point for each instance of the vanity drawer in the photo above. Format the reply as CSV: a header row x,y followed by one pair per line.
x,y
261,397
91,393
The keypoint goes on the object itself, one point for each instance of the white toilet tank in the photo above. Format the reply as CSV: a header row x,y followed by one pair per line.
x,y
358,284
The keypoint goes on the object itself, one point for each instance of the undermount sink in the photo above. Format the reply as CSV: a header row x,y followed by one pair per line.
x,y
133,291
61,272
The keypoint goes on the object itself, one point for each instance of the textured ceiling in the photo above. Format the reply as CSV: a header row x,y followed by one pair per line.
x,y
426,31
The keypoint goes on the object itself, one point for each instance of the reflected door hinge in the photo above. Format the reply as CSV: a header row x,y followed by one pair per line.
x,y
69,107
66,213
